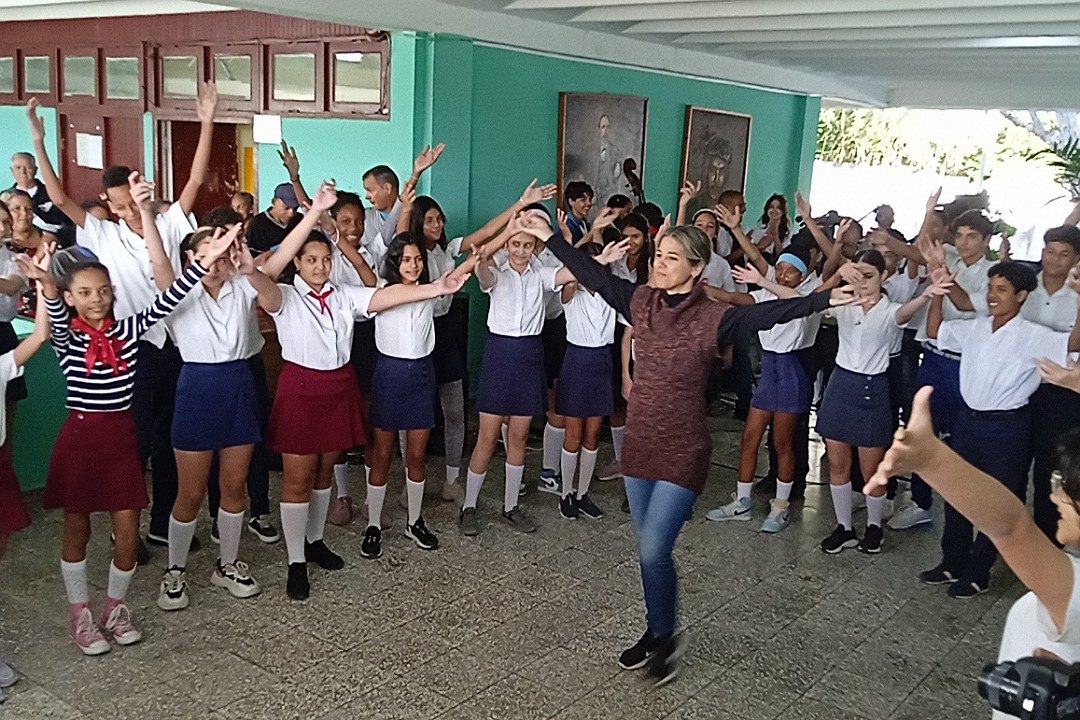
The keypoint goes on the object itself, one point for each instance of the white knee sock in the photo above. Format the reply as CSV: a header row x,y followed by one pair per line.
x,y
415,491
841,500
473,483
294,517
783,490
502,431
742,490
875,508
367,473
616,440
513,486
75,582
553,442
588,464
403,443
341,479
230,525
452,472
180,534
568,465
316,518
119,581
375,496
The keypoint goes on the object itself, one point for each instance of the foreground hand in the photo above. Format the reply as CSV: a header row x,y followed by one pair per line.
x,y
1066,377
38,267
729,218
748,275
427,157
534,194
842,296
849,272
206,106
933,201
560,214
37,125
325,197
913,447
142,191
605,218
688,192
245,264
221,245
613,252
450,282
627,388
802,206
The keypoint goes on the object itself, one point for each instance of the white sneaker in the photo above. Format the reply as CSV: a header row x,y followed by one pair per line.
x,y
235,578
8,676
737,509
909,517
778,517
858,501
173,595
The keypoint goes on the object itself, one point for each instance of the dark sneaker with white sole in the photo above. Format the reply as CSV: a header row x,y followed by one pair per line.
x,y
371,547
588,508
568,507
467,523
324,557
963,589
638,655
261,528
419,534
937,576
235,578
871,541
840,539
666,663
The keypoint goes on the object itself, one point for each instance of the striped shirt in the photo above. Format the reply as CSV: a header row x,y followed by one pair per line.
x,y
104,389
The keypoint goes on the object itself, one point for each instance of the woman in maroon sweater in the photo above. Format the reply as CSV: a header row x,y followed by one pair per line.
x,y
678,331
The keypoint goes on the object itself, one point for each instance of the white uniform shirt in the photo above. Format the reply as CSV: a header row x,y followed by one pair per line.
x,y
124,253
1057,311
8,372
901,288
206,330
972,278
1029,627
343,272
315,338
9,304
439,260
718,273
794,334
406,331
758,233
620,269
997,369
517,299
590,322
552,300
866,338
379,230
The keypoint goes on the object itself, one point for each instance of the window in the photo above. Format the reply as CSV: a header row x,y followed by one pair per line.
x,y
37,74
180,75
80,76
294,77
7,75
357,77
232,73
122,80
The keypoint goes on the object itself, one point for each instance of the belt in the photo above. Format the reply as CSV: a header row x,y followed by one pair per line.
x,y
999,413
929,347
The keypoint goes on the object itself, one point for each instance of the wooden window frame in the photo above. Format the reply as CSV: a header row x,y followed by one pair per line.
x,y
49,98
233,105
138,52
296,107
379,110
99,77
11,98
177,102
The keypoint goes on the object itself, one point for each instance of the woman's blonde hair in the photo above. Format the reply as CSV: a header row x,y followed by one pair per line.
x,y
694,242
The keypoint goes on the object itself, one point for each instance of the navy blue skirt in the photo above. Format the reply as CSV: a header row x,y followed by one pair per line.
x,y
216,407
403,393
554,337
584,388
784,386
512,380
451,340
855,410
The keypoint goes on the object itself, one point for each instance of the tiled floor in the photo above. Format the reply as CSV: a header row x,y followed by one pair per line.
x,y
512,626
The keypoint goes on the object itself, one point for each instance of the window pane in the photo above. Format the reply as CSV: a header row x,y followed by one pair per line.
x,y
357,77
294,76
232,73
122,78
36,73
79,71
181,73
7,74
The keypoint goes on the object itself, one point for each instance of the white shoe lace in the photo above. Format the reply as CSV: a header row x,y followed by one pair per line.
x,y
119,619
86,628
174,582
239,571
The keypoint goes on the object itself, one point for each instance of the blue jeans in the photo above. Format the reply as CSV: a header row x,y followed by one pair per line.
x,y
658,509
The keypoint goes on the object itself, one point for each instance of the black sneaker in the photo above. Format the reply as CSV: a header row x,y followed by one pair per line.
x,y
964,589
371,547
839,540
419,534
297,586
215,536
568,507
160,541
588,508
324,557
261,528
871,542
637,656
666,663
937,576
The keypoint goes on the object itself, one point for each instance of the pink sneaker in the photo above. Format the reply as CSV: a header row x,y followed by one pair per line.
x,y
87,635
342,512
611,471
120,626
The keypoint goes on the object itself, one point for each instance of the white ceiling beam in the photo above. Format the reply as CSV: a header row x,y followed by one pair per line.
x,y
11,11
688,9
570,4
1041,43
841,36
988,94
1005,17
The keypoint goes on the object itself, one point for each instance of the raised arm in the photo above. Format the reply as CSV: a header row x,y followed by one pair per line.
x,y
38,268
753,254
324,199
292,165
987,503
363,269
1074,336
1073,218
804,210
142,192
762,316
268,292
401,294
33,342
934,316
206,106
532,194
931,209
939,287
52,183
750,276
688,192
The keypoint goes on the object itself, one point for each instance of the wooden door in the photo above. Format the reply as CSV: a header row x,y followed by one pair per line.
x,y
223,178
89,143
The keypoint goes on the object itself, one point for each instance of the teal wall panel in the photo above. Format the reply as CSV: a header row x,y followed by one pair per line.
x,y
15,137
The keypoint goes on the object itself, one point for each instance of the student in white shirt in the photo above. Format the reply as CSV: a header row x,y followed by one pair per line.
x,y
1047,618
998,375
316,412
774,232
122,249
12,286
404,389
854,412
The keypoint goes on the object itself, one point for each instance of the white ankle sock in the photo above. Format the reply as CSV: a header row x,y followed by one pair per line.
x,y
75,582
875,509
415,491
617,439
473,482
783,490
841,500
294,517
513,486
180,534
588,465
553,442
119,581
375,496
452,473
568,466
317,509
230,525
341,479
742,490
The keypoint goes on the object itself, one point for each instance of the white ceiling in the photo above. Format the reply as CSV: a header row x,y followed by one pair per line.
x,y
915,53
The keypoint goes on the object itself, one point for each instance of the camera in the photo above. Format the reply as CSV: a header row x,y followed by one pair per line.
x,y
1033,689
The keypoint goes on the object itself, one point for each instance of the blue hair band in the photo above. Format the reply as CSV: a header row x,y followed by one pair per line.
x,y
793,260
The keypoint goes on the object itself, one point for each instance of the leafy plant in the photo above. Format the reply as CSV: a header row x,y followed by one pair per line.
x,y
1064,158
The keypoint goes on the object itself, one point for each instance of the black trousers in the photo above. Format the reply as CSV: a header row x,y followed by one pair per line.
x,y
1054,411
996,443
742,368
152,403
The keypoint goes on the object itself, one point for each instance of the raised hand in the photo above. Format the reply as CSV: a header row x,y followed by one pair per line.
x,y
245,264
688,192
802,206
613,252
664,226
206,106
748,275
932,251
450,282
325,197
842,296
843,227
408,195
940,286
727,217
605,218
1066,377
38,267
220,245
289,160
560,215
37,125
533,194
427,157
933,201
913,446
849,272
1005,250
142,190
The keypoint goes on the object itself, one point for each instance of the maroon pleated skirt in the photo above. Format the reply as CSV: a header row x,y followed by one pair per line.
x,y
315,411
13,515
95,464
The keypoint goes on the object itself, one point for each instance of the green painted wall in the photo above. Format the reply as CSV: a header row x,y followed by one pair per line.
x,y
15,137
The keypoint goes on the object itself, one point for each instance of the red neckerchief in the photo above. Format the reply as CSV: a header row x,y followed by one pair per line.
x,y
321,297
101,347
